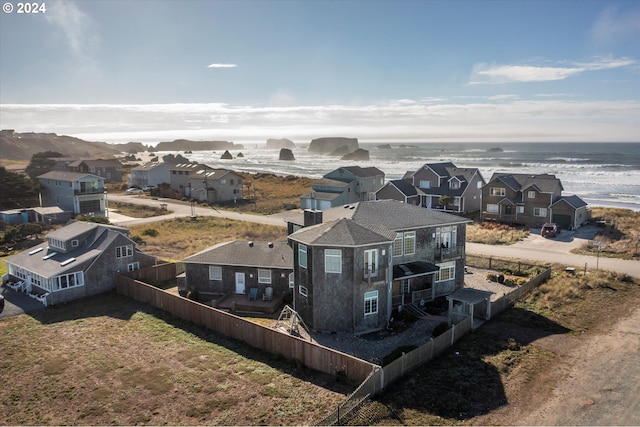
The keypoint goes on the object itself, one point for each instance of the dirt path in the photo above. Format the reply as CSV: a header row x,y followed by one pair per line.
x,y
600,384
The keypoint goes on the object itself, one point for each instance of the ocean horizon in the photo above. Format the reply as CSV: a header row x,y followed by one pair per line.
x,y
603,174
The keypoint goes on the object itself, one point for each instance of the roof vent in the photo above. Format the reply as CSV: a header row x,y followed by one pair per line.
x,y
250,244
270,244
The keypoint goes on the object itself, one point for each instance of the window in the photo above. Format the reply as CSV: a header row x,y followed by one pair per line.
x,y
133,266
539,211
371,302
495,191
531,194
215,272
67,281
409,242
371,262
74,243
519,209
479,184
397,245
493,208
264,276
454,184
406,286
447,272
302,255
404,243
292,281
124,251
303,291
425,184
333,261
55,243
447,237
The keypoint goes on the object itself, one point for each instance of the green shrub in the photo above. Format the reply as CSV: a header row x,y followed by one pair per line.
x,y
150,232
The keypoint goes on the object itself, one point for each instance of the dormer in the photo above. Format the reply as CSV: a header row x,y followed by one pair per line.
x,y
455,182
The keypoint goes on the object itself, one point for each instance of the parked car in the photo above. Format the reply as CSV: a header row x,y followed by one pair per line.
x,y
134,191
549,230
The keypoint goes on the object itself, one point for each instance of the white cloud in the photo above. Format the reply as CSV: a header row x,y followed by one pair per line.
x,y
498,74
76,26
612,27
543,119
222,65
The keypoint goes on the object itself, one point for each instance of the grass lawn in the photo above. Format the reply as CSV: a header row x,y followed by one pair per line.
x,y
501,363
108,360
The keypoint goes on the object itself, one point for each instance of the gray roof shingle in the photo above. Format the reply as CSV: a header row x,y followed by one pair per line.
x,y
251,254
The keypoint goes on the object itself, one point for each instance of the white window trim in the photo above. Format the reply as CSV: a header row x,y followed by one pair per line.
x,y
371,298
133,266
264,276
332,254
302,249
497,191
447,266
541,212
124,251
303,291
531,194
215,272
493,208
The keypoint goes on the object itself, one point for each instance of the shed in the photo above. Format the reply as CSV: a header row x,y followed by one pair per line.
x,y
469,302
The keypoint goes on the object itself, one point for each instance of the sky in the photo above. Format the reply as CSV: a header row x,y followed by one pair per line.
x,y
380,71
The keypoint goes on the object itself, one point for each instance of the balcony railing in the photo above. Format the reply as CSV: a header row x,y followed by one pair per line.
x,y
449,253
374,274
88,191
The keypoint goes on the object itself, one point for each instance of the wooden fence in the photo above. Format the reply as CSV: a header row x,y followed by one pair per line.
x,y
312,355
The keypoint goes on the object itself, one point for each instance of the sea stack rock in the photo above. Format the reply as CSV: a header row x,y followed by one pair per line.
x,y
358,154
240,155
340,151
275,144
286,154
329,144
226,155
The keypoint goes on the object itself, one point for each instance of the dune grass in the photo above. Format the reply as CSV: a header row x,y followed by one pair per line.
x,y
492,233
619,236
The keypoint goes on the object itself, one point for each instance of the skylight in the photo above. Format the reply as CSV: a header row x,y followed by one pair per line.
x,y
49,255
35,251
67,262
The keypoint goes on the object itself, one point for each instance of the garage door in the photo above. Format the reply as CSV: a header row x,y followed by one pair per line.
x,y
564,221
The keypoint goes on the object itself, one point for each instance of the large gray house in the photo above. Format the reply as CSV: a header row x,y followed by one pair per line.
x,y
343,185
355,265
76,192
77,260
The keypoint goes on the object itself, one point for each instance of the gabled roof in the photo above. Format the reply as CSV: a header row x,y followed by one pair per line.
x,y
76,228
328,182
362,172
393,215
213,174
97,162
573,201
250,254
343,232
440,168
544,183
47,262
67,176
405,187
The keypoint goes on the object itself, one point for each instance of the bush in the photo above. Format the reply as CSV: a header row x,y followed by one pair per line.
x,y
150,232
193,295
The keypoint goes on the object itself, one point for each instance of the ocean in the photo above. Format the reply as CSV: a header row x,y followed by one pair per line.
x,y
603,174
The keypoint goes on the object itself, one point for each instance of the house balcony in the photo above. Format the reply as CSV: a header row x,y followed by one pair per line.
x,y
374,274
444,254
88,191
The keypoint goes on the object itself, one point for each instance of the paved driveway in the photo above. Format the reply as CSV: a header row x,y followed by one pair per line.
x,y
17,302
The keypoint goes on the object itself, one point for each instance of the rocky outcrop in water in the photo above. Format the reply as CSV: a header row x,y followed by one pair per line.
x,y
226,155
329,144
185,144
359,155
286,154
275,144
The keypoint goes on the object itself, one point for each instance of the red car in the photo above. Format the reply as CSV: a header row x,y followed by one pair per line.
x,y
549,230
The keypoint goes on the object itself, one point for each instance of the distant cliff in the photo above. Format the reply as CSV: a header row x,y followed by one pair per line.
x,y
276,144
22,146
185,144
330,144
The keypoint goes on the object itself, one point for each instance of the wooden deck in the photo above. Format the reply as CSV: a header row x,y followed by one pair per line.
x,y
240,303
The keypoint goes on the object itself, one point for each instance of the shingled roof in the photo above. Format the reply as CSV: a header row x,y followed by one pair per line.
x,y
246,253
343,232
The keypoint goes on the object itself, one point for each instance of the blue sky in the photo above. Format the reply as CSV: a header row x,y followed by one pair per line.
x,y
243,71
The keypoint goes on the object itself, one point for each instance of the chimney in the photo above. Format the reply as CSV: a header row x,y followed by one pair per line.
x,y
312,217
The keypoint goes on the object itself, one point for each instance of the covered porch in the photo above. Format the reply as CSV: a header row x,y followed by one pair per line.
x,y
469,302
420,291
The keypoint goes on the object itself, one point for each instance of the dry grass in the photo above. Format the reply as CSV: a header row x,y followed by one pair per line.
x,y
182,237
273,193
492,233
108,360
137,211
620,235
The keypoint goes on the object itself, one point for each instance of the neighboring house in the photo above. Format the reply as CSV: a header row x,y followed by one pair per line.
x,y
77,260
355,265
150,174
236,267
76,192
109,169
438,186
342,186
216,185
46,215
531,200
